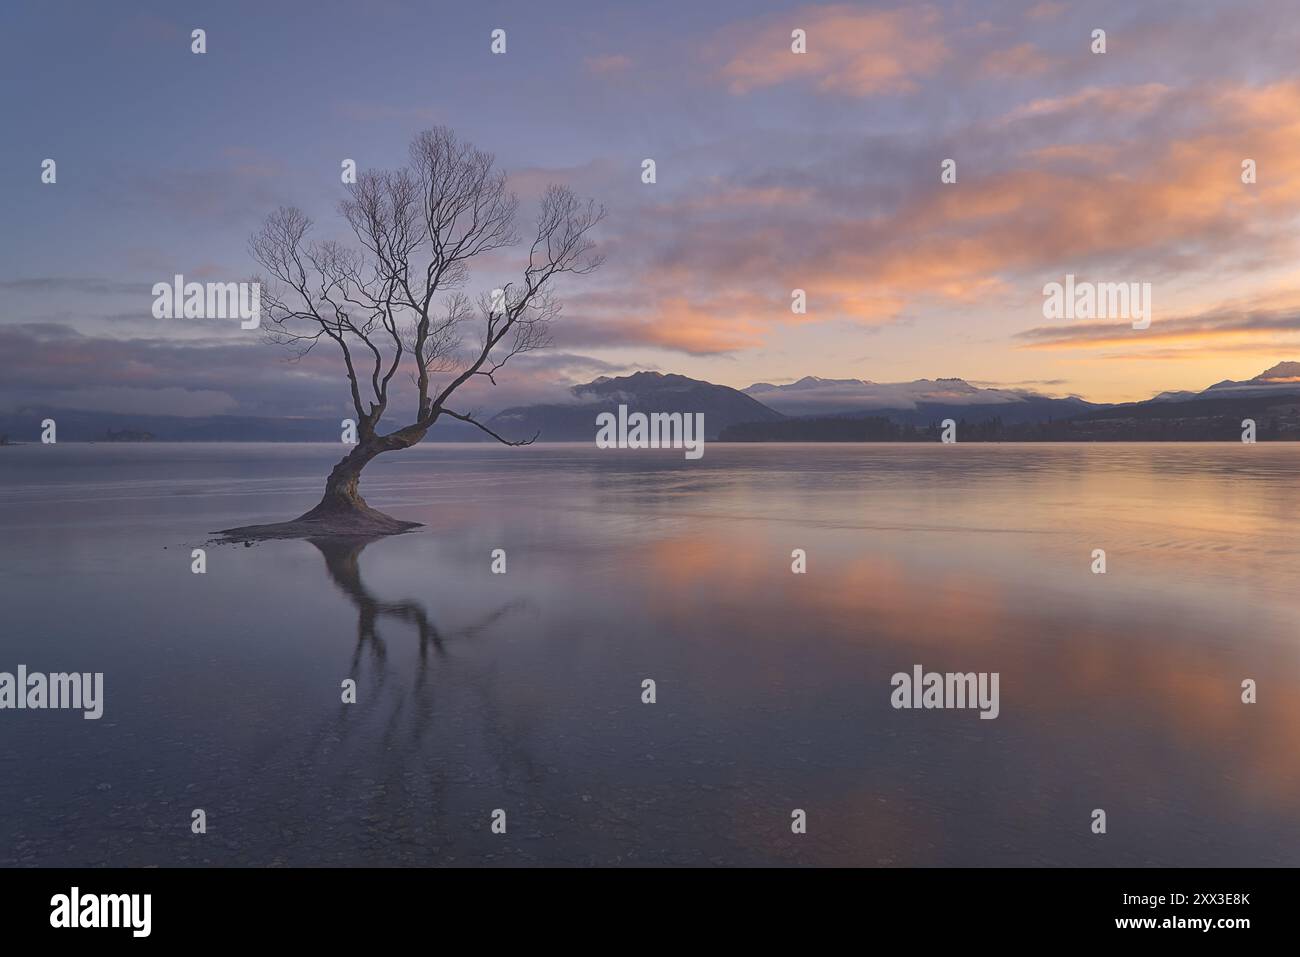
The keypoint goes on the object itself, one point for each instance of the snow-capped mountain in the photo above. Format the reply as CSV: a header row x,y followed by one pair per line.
x,y
1283,378
812,395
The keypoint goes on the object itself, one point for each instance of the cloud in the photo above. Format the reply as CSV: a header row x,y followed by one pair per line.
x,y
1198,335
606,63
850,51
816,171
993,384
236,194
1022,60
54,365
89,285
1046,10
719,256
534,378
1105,101
131,401
1123,183
664,318
44,362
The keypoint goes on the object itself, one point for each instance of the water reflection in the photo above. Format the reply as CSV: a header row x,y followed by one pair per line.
x,y
343,562
342,556
476,691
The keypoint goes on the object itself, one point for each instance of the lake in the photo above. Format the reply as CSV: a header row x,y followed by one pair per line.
x,y
522,692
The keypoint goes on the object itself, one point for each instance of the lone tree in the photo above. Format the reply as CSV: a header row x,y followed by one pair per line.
x,y
397,305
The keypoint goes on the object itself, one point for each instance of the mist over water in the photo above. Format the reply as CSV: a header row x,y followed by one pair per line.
x,y
523,691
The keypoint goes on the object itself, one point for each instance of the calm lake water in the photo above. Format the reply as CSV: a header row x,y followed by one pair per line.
x,y
522,691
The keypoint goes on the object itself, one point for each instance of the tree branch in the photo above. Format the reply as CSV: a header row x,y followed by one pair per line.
x,y
472,421
417,230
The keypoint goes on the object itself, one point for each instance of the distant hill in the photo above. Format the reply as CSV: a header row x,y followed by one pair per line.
x,y
641,392
917,403
1272,399
813,395
1281,379
809,410
75,425
1205,417
128,435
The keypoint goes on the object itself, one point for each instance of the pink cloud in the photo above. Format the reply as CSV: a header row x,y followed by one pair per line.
x,y
608,63
849,51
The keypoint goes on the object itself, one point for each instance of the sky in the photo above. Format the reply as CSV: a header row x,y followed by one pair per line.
x,y
775,171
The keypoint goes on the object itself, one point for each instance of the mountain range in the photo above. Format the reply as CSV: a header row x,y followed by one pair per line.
x,y
813,395
1284,376
914,403
852,410
640,392
808,409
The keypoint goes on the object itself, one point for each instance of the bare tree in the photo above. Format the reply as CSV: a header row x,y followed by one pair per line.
x,y
396,305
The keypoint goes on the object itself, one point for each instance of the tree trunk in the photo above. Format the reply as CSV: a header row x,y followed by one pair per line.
x,y
342,511
341,494
342,506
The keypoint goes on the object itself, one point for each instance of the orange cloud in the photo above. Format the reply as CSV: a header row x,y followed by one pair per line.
x,y
683,326
1262,326
1113,99
1159,197
1157,201
849,51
